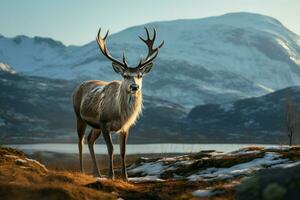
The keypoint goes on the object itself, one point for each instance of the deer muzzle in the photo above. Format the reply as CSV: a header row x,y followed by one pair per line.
x,y
134,87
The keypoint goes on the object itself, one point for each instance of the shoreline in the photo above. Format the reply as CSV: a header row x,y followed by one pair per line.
x,y
132,149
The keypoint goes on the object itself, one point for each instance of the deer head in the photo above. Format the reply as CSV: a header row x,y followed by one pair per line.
x,y
132,76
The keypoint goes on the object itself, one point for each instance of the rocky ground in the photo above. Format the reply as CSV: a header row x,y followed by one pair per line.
x,y
249,173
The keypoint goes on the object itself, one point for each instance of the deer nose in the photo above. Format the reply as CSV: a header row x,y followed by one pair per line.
x,y
134,87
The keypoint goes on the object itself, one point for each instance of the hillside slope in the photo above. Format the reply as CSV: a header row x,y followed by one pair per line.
x,y
207,174
262,117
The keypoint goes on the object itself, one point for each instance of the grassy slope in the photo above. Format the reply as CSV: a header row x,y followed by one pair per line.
x,y
22,178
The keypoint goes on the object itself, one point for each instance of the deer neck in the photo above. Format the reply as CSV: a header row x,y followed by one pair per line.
x,y
130,105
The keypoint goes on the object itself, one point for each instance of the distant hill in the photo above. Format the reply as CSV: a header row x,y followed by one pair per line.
x,y
252,119
210,60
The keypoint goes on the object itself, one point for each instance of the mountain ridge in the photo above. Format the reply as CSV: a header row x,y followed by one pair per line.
x,y
149,23
217,59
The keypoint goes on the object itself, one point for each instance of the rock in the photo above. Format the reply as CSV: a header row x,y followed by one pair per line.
x,y
275,184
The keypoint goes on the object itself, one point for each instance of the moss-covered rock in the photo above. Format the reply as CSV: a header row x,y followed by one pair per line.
x,y
272,184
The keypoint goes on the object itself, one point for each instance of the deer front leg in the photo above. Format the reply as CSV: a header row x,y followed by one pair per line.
x,y
110,149
123,140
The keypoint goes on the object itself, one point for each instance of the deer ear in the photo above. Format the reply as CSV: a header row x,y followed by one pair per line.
x,y
118,68
146,69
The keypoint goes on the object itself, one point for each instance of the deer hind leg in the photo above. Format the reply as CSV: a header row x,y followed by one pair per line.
x,y
94,134
110,149
81,126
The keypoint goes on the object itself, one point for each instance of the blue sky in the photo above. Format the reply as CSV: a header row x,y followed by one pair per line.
x,y
77,21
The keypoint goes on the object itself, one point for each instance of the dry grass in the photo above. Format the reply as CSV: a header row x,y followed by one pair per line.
x,y
70,162
167,190
293,153
29,180
25,179
61,179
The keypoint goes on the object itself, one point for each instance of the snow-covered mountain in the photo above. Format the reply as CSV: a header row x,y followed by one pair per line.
x,y
209,60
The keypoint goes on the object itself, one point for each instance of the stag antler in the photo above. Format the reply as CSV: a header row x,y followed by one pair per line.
x,y
152,52
102,45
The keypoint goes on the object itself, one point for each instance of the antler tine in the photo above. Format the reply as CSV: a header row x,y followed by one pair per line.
x,y
148,35
106,35
102,45
161,44
152,52
154,34
124,59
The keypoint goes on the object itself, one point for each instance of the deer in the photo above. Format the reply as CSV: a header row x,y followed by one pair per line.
x,y
115,106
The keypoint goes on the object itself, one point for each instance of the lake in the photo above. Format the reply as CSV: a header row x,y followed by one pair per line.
x,y
134,148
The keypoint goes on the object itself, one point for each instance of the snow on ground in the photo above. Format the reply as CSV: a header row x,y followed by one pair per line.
x,y
243,152
24,161
268,160
278,147
149,168
203,167
145,179
204,193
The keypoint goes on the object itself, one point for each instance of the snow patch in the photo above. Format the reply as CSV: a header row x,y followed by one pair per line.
x,y
269,159
243,152
149,168
295,60
267,89
204,193
145,179
283,44
6,68
278,147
